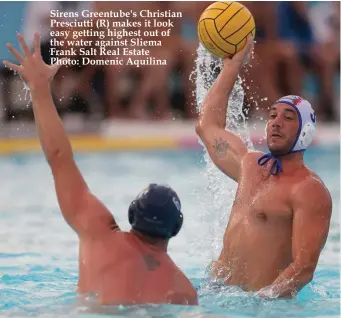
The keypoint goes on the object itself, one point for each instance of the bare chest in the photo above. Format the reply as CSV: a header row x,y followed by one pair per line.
x,y
263,197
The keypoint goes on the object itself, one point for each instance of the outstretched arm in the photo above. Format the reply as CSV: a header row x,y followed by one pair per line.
x,y
80,208
225,148
312,212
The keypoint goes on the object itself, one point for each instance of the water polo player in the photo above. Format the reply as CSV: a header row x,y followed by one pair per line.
x,y
120,267
281,214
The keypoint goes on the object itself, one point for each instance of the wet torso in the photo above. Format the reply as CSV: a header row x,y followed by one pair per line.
x,y
257,241
122,269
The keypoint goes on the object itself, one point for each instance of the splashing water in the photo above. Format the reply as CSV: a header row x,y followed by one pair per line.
x,y
220,189
26,89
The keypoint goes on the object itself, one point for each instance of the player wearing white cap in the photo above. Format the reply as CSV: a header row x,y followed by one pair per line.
x,y
281,214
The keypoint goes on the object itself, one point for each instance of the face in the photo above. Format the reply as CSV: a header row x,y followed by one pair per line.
x,y
282,128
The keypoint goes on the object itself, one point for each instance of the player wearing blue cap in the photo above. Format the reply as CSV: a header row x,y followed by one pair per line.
x,y
281,214
120,267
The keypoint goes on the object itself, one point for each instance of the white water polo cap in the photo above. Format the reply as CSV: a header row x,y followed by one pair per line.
x,y
306,129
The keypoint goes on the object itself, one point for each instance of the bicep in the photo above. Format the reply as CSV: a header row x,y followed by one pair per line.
x,y
85,213
310,227
309,239
225,149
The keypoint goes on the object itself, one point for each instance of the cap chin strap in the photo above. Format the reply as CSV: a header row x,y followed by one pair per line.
x,y
276,165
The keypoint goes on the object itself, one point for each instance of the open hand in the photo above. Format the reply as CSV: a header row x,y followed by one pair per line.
x,y
32,69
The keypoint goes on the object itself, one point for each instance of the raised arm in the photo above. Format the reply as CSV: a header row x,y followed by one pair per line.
x,y
312,212
225,148
80,208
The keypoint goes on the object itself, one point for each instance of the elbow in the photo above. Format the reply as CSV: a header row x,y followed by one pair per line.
x,y
199,128
52,156
57,155
309,278
304,279
306,274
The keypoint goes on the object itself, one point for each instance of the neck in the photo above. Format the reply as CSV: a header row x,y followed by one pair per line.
x,y
158,243
292,161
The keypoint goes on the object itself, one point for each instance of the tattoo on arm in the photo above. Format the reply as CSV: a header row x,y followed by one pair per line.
x,y
151,263
220,147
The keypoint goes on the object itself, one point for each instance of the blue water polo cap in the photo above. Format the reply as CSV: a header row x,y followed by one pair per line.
x,y
156,212
305,134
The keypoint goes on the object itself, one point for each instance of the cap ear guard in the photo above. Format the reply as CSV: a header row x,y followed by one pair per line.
x,y
178,225
307,136
180,217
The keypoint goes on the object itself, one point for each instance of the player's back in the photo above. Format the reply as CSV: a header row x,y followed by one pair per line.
x,y
122,269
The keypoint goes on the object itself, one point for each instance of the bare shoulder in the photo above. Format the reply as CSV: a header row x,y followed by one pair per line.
x,y
313,193
251,157
312,185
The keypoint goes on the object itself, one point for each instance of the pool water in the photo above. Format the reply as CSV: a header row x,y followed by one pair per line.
x,y
39,252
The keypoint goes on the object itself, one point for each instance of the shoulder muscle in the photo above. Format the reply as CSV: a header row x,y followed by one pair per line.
x,y
313,195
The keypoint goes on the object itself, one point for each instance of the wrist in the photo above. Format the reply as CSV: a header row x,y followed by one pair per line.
x,y
39,88
232,66
229,75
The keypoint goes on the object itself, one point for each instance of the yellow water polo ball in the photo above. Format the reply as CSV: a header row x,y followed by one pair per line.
x,y
224,26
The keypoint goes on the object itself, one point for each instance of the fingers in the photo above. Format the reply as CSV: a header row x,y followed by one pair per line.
x,y
37,49
56,66
24,46
15,53
12,66
248,48
249,45
244,54
249,41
